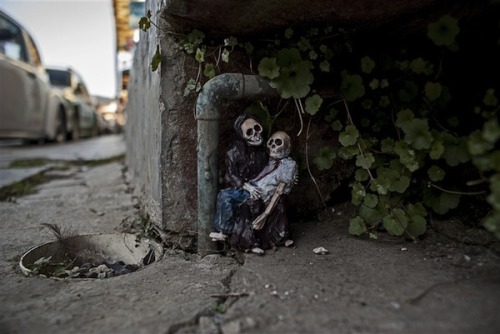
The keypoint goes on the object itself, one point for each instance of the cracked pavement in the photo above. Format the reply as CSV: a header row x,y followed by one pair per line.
x,y
437,285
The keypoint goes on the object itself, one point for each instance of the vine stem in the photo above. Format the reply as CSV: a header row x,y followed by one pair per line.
x,y
308,167
300,110
359,146
457,192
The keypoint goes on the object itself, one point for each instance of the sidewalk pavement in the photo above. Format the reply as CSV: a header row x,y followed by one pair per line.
x,y
360,286
98,148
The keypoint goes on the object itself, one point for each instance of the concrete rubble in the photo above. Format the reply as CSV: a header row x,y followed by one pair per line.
x,y
389,285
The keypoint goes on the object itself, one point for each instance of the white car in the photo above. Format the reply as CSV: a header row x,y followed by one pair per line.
x,y
29,107
71,86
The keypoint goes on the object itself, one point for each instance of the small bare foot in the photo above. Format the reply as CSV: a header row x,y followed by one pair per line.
x,y
217,236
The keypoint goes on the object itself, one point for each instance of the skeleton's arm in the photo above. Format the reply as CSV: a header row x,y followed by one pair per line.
x,y
260,221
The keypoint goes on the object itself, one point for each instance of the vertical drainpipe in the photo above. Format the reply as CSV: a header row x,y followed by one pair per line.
x,y
208,114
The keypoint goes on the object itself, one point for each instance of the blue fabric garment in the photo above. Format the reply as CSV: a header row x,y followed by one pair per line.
x,y
228,201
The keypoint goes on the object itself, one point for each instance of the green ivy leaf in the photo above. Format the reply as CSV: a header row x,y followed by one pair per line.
x,y
455,150
433,90
325,157
357,226
437,150
361,175
367,65
192,41
374,84
349,136
348,152
313,55
488,162
304,44
313,103
404,117
491,131
288,33
372,216
295,74
365,161
190,86
416,227
418,134
490,99
268,68
370,200
444,31
225,55
417,209
441,203
294,81
494,196
324,66
396,222
380,185
200,55
418,65
358,193
407,156
352,87
401,184
492,224
144,23
436,173
477,145
231,41
209,70
337,126
156,60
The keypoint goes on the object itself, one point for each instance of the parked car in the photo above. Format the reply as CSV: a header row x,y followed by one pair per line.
x,y
71,86
29,107
111,111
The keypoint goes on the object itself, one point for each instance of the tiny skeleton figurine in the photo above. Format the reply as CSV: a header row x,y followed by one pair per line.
x,y
261,220
244,160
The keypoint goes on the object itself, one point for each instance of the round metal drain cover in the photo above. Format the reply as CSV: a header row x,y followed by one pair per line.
x,y
91,256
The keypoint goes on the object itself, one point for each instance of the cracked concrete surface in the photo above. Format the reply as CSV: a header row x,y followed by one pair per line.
x,y
437,285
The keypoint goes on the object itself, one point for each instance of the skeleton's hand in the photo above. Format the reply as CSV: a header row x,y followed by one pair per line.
x,y
254,191
296,178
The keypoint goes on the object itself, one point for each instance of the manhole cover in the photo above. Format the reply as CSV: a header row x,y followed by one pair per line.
x,y
91,256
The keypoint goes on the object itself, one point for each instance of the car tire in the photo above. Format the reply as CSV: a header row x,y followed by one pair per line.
x,y
61,131
75,129
94,131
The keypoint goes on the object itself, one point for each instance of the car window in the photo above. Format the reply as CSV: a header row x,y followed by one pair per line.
x,y
59,78
11,40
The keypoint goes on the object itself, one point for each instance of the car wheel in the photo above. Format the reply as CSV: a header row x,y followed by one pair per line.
x,y
75,132
60,127
94,132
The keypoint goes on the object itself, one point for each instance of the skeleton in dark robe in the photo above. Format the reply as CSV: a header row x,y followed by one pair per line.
x,y
244,160
261,221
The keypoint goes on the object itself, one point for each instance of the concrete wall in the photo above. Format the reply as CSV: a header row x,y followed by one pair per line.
x,y
143,127
161,132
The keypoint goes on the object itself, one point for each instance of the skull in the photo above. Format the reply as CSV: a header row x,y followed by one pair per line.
x,y
252,132
279,145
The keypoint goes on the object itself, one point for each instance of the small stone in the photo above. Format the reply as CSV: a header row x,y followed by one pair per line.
x,y
320,250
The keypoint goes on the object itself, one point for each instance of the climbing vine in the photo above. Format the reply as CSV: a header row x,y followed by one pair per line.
x,y
419,145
